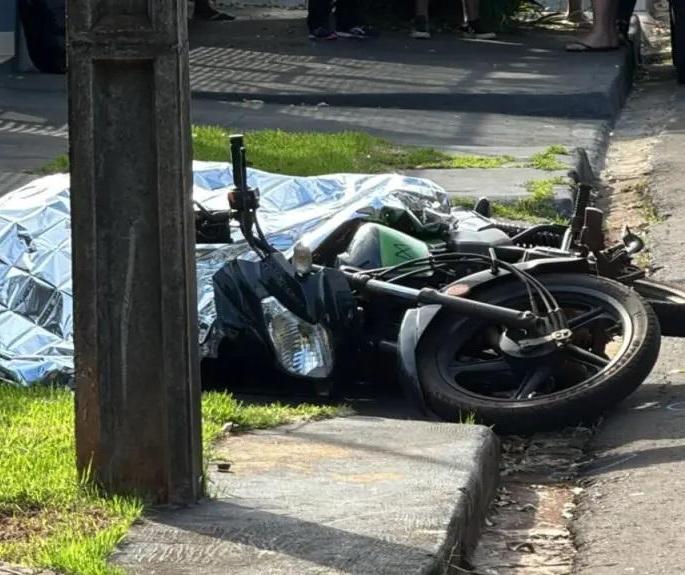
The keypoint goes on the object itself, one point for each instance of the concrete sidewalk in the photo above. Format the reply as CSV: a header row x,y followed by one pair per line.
x,y
350,495
264,55
514,95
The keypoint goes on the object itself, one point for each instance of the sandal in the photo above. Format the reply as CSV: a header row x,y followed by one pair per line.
x,y
582,47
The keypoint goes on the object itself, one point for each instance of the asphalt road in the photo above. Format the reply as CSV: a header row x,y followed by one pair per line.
x,y
633,511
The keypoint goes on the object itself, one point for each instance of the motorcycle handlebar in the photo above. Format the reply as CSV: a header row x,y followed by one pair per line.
x,y
466,307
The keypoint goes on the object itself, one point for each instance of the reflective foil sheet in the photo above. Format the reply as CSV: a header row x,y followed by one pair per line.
x,y
36,330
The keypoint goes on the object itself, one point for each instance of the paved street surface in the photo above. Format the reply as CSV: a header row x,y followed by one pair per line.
x,y
632,515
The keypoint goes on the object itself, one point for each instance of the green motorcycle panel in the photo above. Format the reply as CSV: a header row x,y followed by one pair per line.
x,y
397,247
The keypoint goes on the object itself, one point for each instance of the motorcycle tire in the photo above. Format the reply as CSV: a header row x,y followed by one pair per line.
x,y
668,301
447,339
677,12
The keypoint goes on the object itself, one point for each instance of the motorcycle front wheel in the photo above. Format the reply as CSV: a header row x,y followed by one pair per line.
x,y
614,345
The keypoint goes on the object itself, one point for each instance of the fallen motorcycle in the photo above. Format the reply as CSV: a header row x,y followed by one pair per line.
x,y
582,237
523,338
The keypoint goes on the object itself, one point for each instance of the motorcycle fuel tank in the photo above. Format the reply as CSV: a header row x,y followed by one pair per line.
x,y
377,246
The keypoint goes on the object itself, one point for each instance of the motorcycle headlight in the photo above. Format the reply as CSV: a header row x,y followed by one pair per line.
x,y
302,348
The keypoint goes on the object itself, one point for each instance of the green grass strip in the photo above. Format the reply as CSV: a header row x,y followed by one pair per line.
x,y
314,153
538,206
48,518
547,159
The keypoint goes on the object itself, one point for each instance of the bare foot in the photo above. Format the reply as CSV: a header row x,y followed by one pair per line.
x,y
594,42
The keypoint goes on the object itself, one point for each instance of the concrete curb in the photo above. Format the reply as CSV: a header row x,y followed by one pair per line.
x,y
356,494
469,515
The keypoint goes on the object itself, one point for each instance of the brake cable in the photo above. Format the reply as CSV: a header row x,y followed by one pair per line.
x,y
527,279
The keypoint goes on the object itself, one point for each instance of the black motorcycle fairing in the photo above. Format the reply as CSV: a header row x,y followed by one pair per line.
x,y
533,266
238,293
325,297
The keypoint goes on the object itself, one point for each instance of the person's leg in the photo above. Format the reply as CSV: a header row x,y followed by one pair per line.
x,y
604,34
319,19
625,12
471,10
472,25
348,14
205,10
349,20
421,9
421,30
575,11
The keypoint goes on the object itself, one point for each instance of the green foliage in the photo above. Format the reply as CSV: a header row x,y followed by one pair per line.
x,y
59,165
220,408
498,14
54,518
539,206
547,159
49,517
313,153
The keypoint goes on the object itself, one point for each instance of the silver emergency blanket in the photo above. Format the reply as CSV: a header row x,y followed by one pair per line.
x,y
35,250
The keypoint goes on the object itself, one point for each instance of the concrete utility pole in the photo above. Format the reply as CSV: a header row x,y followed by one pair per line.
x,y
135,317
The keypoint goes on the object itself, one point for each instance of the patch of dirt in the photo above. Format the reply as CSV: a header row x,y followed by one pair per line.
x,y
255,453
22,525
625,195
528,530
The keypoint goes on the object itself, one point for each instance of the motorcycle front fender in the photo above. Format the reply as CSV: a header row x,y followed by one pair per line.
x,y
413,325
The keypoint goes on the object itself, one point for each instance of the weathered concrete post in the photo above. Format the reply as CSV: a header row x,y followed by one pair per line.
x,y
137,375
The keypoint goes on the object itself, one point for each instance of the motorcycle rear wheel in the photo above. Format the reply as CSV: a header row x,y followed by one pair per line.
x,y
615,344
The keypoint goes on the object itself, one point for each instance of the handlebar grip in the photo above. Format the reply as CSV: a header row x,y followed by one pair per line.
x,y
237,159
243,167
214,216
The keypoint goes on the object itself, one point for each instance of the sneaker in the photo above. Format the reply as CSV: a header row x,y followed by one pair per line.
x,y
474,29
420,31
322,34
357,32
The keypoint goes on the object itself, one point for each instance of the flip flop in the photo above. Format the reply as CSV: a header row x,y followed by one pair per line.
x,y
582,47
